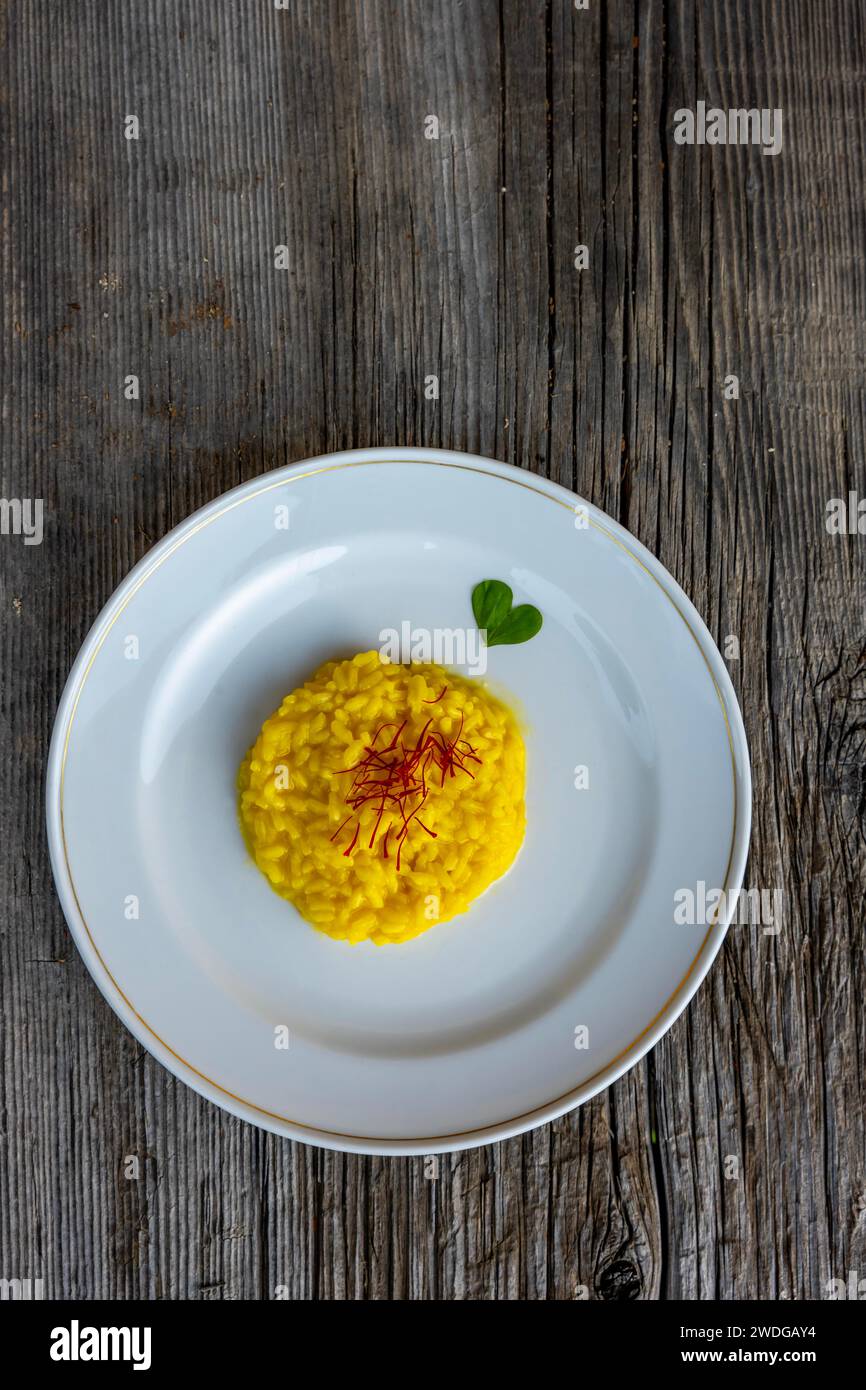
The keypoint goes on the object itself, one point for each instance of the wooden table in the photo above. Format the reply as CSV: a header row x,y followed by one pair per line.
x,y
431,167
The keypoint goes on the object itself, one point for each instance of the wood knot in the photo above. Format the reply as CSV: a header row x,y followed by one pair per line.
x,y
620,1282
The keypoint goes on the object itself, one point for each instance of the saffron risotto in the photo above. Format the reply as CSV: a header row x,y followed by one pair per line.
x,y
381,799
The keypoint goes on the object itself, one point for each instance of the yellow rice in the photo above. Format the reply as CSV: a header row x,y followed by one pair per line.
x,y
293,787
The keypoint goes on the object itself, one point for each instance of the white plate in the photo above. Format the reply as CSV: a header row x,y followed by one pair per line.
x,y
474,1031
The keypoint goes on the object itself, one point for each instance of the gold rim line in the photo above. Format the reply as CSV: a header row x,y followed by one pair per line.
x,y
562,1099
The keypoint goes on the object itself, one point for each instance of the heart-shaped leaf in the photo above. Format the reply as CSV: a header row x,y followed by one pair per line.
x,y
491,604
519,625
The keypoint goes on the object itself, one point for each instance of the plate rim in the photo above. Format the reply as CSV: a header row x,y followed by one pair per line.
x,y
123,1007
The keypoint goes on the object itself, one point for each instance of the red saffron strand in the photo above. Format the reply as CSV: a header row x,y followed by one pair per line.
x,y
395,777
378,823
340,827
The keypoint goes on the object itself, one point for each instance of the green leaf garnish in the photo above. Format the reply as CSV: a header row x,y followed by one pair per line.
x,y
521,623
491,603
504,625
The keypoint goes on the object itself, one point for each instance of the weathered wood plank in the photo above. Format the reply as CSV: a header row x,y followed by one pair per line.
x,y
733,1161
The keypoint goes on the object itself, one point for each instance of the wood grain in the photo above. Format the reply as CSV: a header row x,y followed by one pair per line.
x,y
732,1161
